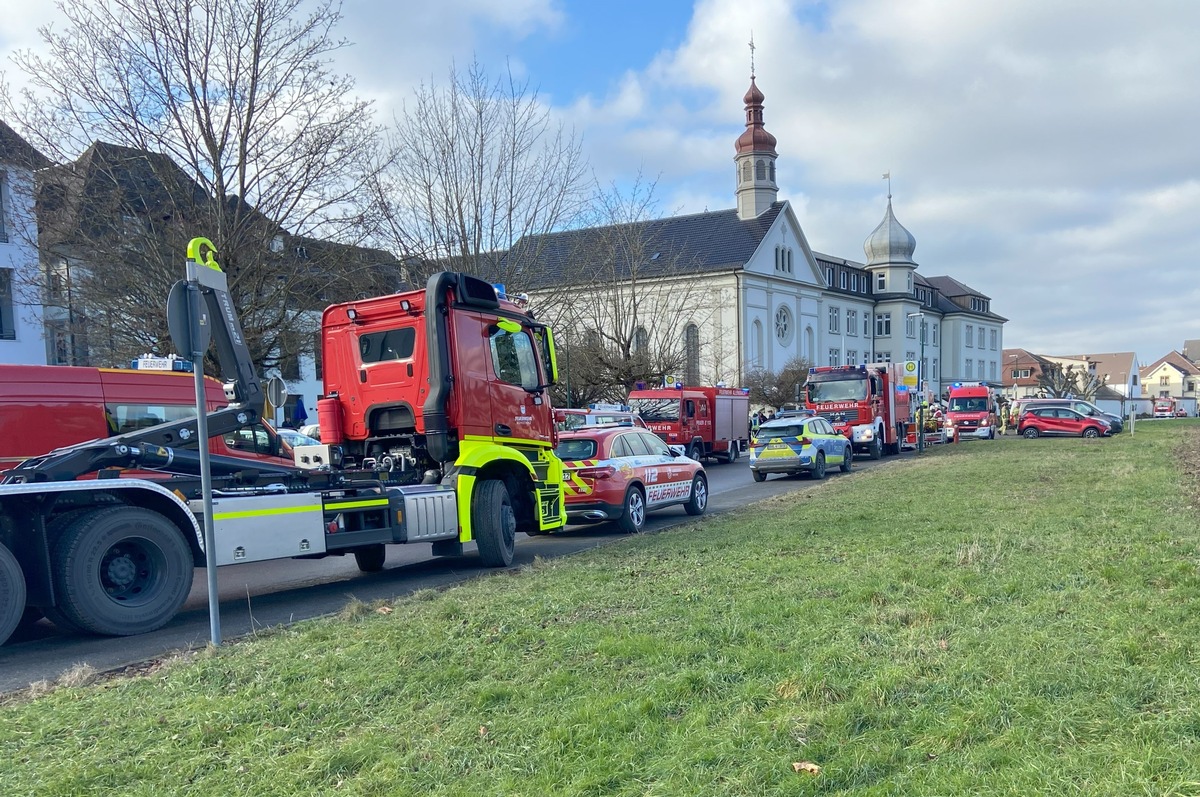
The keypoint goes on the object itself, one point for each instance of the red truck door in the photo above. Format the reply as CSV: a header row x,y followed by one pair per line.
x,y
514,383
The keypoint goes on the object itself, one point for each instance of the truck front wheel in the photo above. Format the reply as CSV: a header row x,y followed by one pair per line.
x,y
875,451
12,593
121,571
494,523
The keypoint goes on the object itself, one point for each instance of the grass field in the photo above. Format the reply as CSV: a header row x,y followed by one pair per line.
x,y
1010,618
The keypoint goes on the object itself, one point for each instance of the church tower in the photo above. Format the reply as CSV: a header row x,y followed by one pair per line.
x,y
755,160
889,249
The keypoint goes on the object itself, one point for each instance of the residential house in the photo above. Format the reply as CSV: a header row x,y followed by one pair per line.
x,y
113,229
1118,371
20,306
1172,376
1022,370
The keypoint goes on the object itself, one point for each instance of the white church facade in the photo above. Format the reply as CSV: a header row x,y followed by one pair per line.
x,y
765,298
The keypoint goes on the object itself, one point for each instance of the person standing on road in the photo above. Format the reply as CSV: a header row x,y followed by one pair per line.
x,y
1004,417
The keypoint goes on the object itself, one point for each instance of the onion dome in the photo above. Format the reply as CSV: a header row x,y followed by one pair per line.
x,y
890,243
755,138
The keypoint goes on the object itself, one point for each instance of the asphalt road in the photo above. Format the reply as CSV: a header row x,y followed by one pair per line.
x,y
260,595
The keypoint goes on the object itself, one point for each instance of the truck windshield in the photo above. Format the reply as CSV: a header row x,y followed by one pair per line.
x,y
821,391
654,410
975,404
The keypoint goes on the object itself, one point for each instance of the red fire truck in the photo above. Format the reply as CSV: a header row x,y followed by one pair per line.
x,y
867,403
705,421
1165,408
971,411
436,428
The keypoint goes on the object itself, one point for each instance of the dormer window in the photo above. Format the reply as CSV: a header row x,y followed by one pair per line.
x,y
881,281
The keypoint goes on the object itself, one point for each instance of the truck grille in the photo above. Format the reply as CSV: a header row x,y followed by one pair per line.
x,y
841,416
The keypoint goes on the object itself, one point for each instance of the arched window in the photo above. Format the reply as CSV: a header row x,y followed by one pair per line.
x,y
778,259
746,171
760,170
641,340
756,344
772,171
691,347
789,260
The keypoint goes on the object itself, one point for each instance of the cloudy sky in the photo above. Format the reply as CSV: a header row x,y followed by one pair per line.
x,y
1041,152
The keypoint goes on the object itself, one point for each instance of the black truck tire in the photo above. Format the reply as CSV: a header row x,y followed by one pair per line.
x,y
493,523
369,558
121,571
875,451
12,593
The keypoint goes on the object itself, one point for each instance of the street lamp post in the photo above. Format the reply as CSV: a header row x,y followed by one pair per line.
x,y
920,384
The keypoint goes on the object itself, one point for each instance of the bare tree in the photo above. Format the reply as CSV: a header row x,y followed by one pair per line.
x,y
628,291
205,117
1088,383
775,389
477,165
1056,381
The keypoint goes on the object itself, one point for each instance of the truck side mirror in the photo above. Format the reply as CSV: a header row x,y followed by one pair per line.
x,y
551,356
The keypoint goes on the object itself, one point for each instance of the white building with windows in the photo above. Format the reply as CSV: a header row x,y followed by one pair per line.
x,y
767,299
21,340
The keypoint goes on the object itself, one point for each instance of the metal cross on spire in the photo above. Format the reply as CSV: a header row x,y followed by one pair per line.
x,y
888,176
752,55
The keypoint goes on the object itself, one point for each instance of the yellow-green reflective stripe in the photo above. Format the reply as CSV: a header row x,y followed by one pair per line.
x,y
357,504
283,510
507,442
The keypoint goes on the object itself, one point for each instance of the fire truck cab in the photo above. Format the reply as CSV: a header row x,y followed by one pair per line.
x,y
867,403
971,411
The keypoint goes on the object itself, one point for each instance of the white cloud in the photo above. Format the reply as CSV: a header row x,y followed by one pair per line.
x,y
1042,153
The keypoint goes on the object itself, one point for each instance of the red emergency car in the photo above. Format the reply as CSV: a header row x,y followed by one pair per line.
x,y
620,473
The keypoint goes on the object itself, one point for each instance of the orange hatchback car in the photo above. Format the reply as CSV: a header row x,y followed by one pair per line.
x,y
620,473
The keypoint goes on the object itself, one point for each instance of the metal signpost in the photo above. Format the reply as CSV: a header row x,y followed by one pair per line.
x,y
187,319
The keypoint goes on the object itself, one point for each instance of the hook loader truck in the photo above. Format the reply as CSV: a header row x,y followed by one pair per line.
x,y
436,427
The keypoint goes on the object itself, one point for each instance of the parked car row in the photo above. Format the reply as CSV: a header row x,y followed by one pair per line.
x,y
1060,417
1085,408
